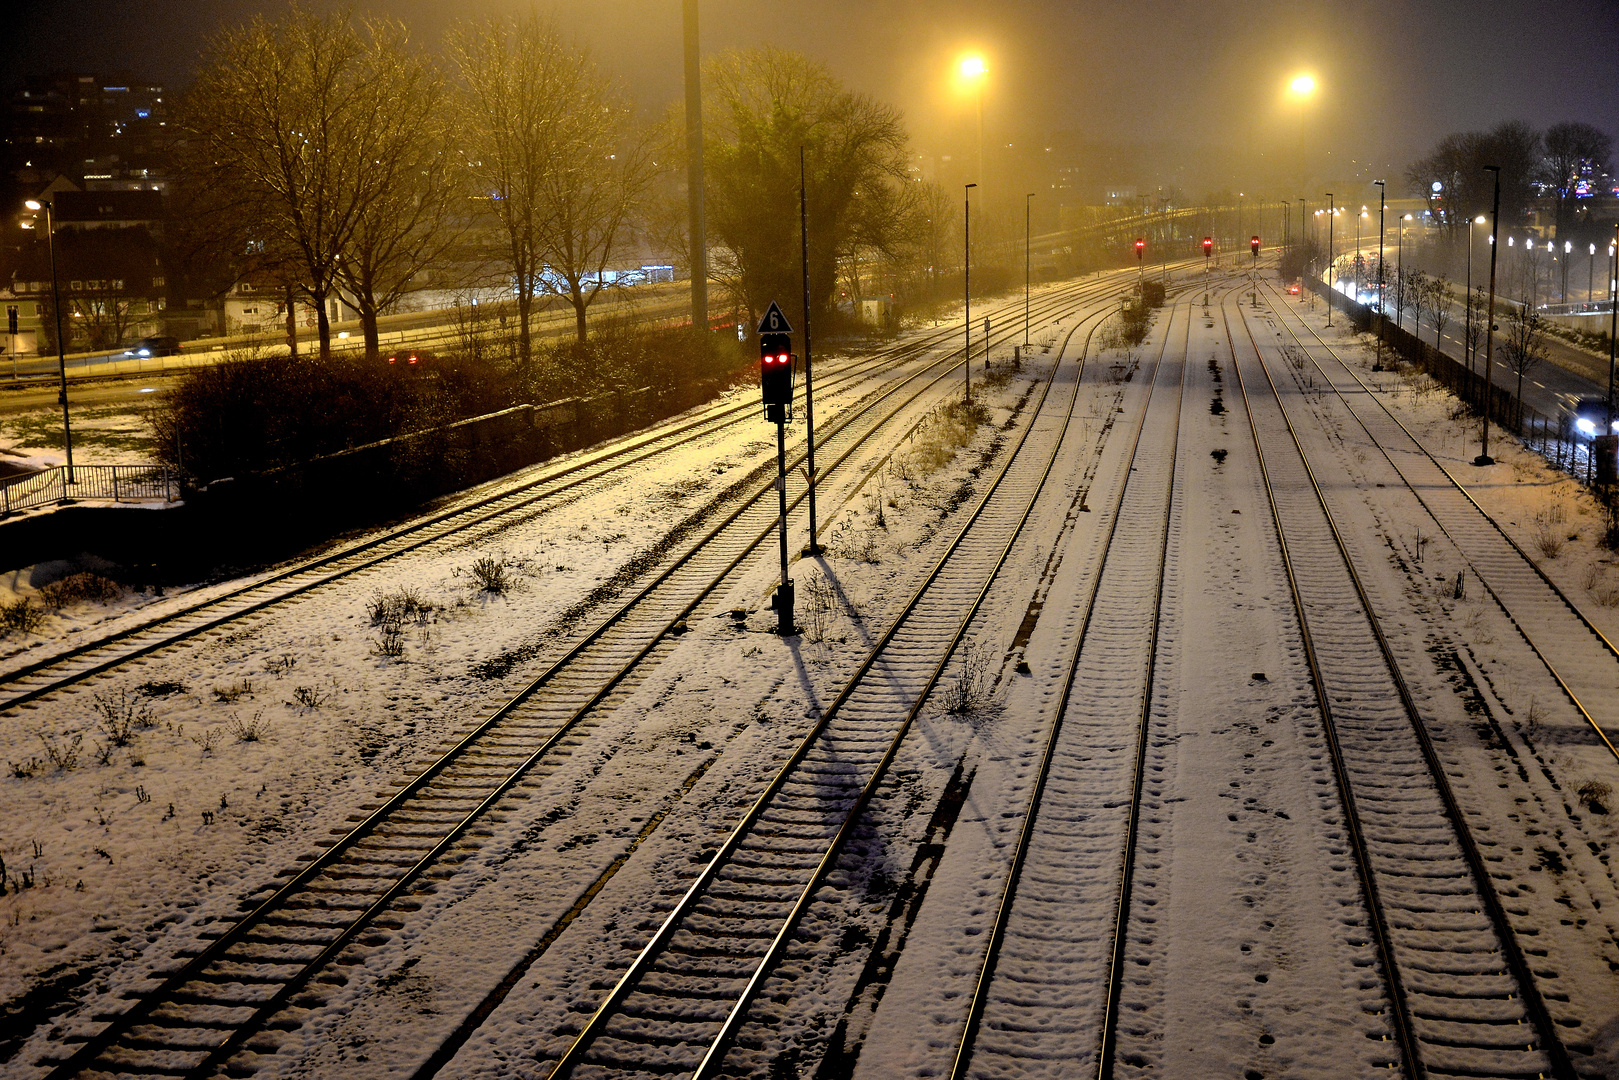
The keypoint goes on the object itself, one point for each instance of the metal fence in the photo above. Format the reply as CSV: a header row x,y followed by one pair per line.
x,y
1551,435
105,483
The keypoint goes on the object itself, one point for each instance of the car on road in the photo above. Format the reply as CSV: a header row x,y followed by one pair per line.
x,y
410,359
1589,414
154,346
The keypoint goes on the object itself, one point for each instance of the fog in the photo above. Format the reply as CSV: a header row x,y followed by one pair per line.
x,y
1149,93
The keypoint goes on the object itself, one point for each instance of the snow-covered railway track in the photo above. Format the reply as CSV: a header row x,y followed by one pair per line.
x,y
1048,986
209,615
1462,1000
205,1012
1586,662
677,1006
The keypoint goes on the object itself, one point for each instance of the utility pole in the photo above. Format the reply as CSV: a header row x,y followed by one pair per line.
x,y
1382,204
1609,442
1484,457
696,228
1027,202
967,286
814,546
1332,210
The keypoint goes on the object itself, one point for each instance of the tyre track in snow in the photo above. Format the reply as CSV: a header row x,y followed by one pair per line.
x,y
203,1014
1462,1000
677,1006
209,617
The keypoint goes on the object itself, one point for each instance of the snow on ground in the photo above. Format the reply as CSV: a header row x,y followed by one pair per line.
x,y
247,747
116,434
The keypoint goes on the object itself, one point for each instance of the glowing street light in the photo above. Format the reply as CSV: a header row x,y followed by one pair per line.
x,y
1302,86
974,72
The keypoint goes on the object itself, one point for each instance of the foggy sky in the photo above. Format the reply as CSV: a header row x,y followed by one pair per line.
x,y
1198,83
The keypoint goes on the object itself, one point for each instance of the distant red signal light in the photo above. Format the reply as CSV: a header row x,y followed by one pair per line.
x,y
1208,246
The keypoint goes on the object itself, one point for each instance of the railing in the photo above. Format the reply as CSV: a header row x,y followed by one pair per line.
x,y
106,483
1552,436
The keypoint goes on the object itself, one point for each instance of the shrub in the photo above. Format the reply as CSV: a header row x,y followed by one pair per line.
x,y
1594,794
81,586
490,574
20,615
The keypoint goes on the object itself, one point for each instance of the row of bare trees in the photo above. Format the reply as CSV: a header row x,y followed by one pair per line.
x,y
331,153
333,156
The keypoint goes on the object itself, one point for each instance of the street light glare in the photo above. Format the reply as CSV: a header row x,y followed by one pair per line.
x,y
34,204
973,67
1303,85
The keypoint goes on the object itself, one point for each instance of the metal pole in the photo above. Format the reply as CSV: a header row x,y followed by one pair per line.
x,y
61,350
784,595
1484,457
1027,202
814,545
1382,195
1613,326
696,228
1332,211
967,286
1467,332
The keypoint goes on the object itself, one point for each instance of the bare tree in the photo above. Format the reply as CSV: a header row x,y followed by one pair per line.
x,y
508,117
1419,297
411,216
1439,307
286,112
1524,344
1478,309
1571,149
597,183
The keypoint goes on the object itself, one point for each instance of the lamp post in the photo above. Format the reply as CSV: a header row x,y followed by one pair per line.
x,y
1028,200
1399,272
1332,212
1472,351
1484,457
813,548
1382,205
1613,323
1287,224
1568,249
1591,276
967,285
56,310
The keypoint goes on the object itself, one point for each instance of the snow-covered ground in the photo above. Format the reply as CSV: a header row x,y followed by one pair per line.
x,y
252,747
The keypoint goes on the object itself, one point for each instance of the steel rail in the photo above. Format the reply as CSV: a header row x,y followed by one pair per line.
x,y
986,973
573,1056
614,459
115,1030
1540,654
1534,1005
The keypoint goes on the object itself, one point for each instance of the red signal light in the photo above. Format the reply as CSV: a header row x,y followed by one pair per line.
x,y
1208,244
1140,245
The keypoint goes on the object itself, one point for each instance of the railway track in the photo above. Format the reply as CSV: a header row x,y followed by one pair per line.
x,y
1462,998
1050,964
30,682
1586,665
202,1015
677,1006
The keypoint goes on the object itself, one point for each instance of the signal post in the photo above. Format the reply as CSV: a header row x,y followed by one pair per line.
x,y
1208,250
776,366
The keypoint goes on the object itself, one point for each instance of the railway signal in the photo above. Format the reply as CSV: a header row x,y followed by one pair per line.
x,y
776,363
1208,249
1141,254
1253,242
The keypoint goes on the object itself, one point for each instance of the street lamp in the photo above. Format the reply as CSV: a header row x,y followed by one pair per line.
x,y
1027,202
1359,262
1591,276
1399,272
967,285
1332,212
1382,205
973,70
1568,249
1472,350
56,310
1484,457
